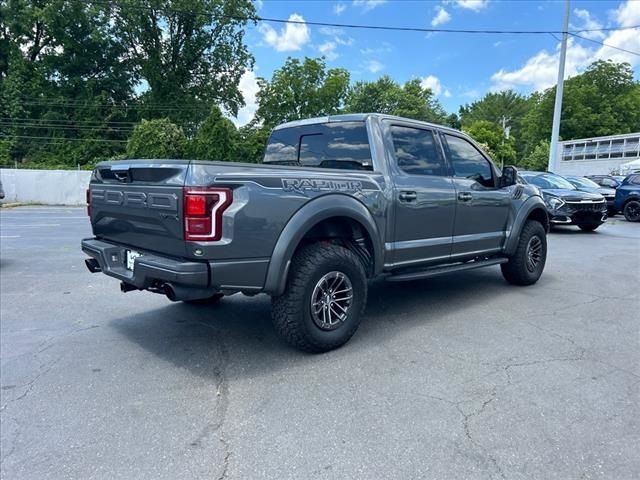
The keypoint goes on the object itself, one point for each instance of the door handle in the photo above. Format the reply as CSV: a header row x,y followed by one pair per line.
x,y
408,196
464,196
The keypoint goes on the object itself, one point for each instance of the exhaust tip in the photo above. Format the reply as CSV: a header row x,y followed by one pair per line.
x,y
127,287
93,265
169,292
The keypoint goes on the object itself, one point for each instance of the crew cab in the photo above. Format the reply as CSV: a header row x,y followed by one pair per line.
x,y
336,202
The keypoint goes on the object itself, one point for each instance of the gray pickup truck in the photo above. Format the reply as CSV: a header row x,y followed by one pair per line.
x,y
337,201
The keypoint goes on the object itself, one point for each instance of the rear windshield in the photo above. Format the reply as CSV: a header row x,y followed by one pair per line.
x,y
343,145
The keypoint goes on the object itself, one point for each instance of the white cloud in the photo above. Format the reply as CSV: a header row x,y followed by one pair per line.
x,y
384,48
367,5
338,8
433,83
374,66
588,23
541,70
293,36
259,4
441,17
249,88
475,5
328,50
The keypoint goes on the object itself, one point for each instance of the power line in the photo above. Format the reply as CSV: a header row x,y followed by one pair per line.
x,y
359,26
67,121
62,127
64,139
604,44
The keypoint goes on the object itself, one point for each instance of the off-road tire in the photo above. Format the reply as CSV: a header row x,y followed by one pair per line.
x,y
516,271
212,300
588,227
291,311
630,211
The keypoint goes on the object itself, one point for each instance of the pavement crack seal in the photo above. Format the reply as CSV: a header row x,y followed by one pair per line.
x,y
42,371
222,405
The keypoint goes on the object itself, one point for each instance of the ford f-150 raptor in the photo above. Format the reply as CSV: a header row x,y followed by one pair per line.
x,y
337,201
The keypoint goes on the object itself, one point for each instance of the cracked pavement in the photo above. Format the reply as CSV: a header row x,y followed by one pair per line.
x,y
461,376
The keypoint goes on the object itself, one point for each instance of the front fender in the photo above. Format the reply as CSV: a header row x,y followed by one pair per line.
x,y
530,204
313,212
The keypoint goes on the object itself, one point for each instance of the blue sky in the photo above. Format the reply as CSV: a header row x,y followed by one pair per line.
x,y
459,68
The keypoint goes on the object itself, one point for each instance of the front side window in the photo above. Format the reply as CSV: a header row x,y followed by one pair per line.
x,y
343,145
468,162
416,151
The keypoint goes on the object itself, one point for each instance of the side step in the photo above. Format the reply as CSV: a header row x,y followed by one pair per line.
x,y
432,272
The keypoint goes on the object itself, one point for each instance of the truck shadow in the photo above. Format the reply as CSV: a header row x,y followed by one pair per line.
x,y
235,338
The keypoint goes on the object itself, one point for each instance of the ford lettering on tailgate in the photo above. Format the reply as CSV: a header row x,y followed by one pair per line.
x,y
133,199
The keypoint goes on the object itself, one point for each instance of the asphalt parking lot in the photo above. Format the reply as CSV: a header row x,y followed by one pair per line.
x,y
458,377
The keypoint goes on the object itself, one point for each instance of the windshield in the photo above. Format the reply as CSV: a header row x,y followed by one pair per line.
x,y
546,180
583,182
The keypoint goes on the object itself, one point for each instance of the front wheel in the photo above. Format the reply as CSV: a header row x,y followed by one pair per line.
x,y
527,263
632,211
324,297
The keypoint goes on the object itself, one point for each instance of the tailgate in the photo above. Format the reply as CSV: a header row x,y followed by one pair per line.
x,y
139,203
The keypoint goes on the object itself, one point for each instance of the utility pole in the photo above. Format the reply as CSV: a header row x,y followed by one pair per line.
x,y
555,129
505,135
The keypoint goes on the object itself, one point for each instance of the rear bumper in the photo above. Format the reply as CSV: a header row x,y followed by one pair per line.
x,y
195,279
149,268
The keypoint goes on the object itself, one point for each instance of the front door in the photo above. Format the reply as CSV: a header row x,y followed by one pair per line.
x,y
424,198
482,209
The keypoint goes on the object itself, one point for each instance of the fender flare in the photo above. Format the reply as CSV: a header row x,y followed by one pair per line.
x,y
313,212
530,204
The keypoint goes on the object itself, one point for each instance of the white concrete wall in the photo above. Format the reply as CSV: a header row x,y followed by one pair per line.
x,y
588,167
50,187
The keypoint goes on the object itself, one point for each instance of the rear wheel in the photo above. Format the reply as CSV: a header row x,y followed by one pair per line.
x,y
213,299
527,263
632,211
325,295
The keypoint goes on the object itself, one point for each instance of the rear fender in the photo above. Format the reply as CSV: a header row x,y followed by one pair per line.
x,y
317,210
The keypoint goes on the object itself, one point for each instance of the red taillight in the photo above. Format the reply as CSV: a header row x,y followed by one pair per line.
x,y
88,195
203,209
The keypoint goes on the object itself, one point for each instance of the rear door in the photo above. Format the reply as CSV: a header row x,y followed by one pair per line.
x,y
139,204
424,197
482,209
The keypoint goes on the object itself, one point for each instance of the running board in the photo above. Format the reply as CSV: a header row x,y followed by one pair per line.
x,y
432,272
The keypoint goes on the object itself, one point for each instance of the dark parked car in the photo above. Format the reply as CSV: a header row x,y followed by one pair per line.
x,y
607,181
628,198
1,191
587,185
566,204
339,200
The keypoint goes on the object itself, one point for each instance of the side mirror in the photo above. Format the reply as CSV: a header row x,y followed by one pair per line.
x,y
509,176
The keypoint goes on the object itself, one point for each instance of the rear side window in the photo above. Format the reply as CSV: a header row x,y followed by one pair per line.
x,y
416,151
343,145
468,162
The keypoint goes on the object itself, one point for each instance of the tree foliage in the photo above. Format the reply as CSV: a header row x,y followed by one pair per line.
x,y
386,96
216,138
604,100
492,135
301,90
157,139
538,159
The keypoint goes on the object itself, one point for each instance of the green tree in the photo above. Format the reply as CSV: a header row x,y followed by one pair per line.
x,y
301,90
252,139
386,96
216,138
538,159
491,134
604,100
190,53
62,82
496,106
157,138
